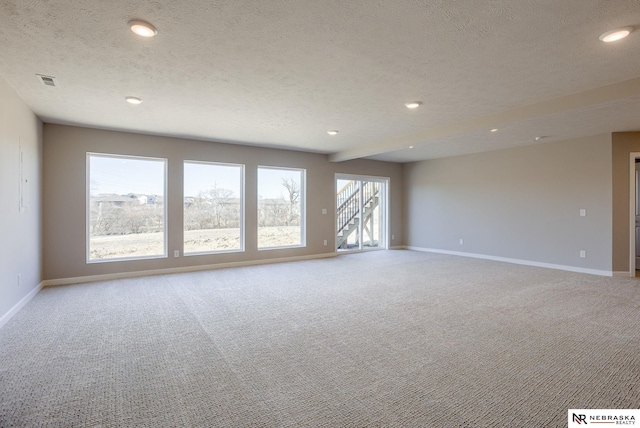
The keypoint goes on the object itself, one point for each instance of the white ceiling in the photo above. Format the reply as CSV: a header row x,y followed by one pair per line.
x,y
280,73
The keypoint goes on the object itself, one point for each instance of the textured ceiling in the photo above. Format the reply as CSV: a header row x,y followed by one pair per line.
x,y
281,73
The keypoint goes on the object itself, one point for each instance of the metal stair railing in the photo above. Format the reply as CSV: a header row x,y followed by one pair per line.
x,y
348,203
348,207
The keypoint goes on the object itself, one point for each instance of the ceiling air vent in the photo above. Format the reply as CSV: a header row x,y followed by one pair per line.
x,y
47,80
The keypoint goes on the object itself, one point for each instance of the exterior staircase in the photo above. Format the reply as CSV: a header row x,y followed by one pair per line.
x,y
348,209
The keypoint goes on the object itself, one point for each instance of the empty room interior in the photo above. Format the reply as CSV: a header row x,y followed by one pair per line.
x,y
278,213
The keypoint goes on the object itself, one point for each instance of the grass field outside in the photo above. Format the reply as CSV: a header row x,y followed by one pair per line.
x,y
196,241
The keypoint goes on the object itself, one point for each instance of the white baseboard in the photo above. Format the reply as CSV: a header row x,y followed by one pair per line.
x,y
14,310
136,274
517,261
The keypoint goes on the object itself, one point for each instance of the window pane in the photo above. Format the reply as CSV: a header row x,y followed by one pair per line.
x,y
212,207
280,207
126,207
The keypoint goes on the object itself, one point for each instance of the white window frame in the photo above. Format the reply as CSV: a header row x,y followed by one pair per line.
x,y
303,207
242,207
88,208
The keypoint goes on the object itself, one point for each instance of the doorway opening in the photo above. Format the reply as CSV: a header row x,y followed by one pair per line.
x,y
361,212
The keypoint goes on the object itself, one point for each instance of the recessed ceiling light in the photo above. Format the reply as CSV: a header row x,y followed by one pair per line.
x,y
142,28
540,138
134,100
494,130
332,132
614,35
413,104
411,147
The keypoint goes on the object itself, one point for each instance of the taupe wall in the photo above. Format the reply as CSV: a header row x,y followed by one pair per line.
x,y
20,252
65,193
521,203
623,144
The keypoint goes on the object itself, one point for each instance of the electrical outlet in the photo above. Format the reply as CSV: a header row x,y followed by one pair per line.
x,y
393,237
19,280
325,242
324,211
461,241
176,253
583,212
583,254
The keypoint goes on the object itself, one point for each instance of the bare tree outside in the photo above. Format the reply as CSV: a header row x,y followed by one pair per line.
x,y
293,191
215,208
212,207
280,194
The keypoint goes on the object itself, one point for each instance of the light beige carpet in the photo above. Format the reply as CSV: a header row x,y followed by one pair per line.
x,y
395,338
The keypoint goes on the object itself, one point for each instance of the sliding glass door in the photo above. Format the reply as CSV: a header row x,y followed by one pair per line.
x,y
361,212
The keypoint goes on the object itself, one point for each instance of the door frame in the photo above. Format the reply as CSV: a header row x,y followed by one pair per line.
x,y
632,212
384,233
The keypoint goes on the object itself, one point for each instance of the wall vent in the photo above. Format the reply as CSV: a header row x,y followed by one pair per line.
x,y
47,80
